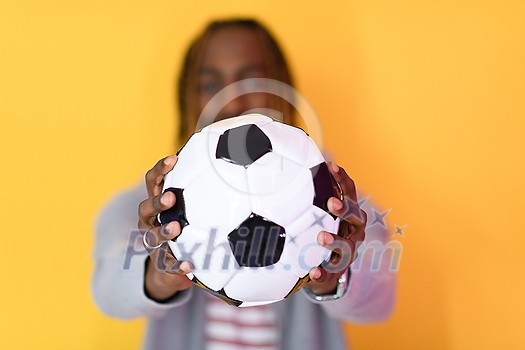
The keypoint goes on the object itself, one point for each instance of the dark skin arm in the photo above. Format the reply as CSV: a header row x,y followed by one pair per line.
x,y
165,276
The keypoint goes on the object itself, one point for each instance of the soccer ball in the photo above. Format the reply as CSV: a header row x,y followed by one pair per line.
x,y
251,198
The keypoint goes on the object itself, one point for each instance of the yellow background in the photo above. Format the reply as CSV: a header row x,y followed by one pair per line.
x,y
422,101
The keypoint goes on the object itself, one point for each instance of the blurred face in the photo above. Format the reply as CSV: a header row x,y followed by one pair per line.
x,y
232,54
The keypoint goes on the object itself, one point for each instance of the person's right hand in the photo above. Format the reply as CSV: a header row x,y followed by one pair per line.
x,y
165,276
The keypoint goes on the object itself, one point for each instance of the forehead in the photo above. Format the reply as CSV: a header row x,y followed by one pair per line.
x,y
233,47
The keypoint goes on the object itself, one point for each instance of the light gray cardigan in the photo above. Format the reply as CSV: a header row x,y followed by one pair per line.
x,y
304,324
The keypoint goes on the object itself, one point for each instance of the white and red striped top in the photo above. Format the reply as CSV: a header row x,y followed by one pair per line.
x,y
231,328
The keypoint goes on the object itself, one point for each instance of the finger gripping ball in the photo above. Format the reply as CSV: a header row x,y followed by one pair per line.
x,y
251,197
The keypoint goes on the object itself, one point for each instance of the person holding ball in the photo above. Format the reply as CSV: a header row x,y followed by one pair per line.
x,y
153,284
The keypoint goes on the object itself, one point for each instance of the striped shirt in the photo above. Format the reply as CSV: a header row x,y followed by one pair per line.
x,y
231,328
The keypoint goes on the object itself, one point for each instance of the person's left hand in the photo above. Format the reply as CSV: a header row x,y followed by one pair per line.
x,y
343,245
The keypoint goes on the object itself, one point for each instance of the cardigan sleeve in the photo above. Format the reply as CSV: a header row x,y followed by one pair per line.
x,y
120,259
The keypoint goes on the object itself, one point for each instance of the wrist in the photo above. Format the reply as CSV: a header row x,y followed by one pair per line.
x,y
324,288
337,293
153,286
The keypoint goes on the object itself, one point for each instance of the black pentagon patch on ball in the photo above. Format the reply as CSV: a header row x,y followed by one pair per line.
x,y
177,212
243,145
325,187
257,242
